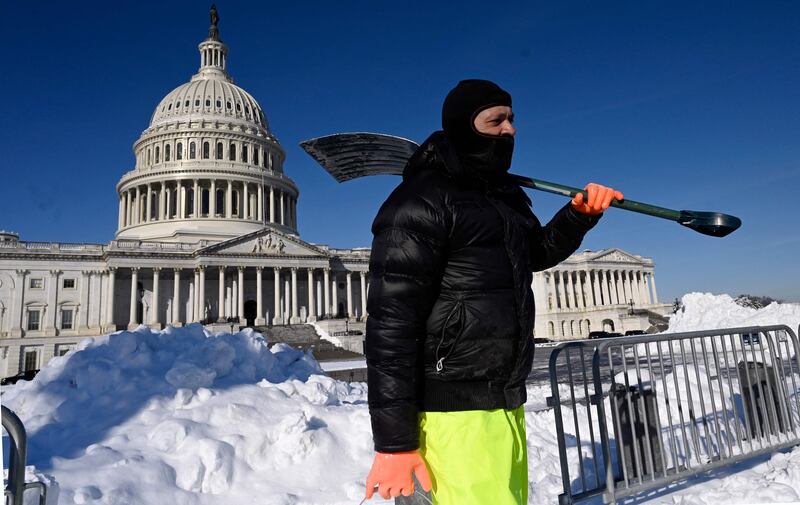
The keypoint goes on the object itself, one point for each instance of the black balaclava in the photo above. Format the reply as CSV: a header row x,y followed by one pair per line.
x,y
488,155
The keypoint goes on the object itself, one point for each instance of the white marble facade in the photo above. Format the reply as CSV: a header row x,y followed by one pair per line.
x,y
207,231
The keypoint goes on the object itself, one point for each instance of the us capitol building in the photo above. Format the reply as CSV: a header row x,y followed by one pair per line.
x,y
207,232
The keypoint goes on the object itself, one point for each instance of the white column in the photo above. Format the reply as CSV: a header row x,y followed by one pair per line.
x,y
349,294
201,298
168,204
240,301
245,202
648,298
109,322
134,298
259,321
312,313
570,287
334,296
594,281
607,288
229,201
86,277
18,301
271,204
276,317
614,290
196,297
580,300
327,282
261,203
642,288
121,217
283,209
363,294
181,200
162,205
294,319
138,205
176,297
212,199
196,201
653,282
551,277
221,295
154,321
626,286
562,292
318,290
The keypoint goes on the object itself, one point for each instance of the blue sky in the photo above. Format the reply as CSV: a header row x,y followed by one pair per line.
x,y
688,105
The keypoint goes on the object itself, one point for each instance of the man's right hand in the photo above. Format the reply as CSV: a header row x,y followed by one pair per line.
x,y
391,472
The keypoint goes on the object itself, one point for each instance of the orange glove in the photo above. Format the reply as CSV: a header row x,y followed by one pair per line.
x,y
391,472
600,198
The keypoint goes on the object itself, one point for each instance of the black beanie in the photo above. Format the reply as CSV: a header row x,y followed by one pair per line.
x,y
488,154
464,102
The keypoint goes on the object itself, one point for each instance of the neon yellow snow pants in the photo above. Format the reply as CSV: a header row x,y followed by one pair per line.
x,y
476,457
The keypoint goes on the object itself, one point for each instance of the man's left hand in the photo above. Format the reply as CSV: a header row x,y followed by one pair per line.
x,y
600,198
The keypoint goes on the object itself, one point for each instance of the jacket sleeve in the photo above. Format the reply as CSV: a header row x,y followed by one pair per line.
x,y
406,265
553,243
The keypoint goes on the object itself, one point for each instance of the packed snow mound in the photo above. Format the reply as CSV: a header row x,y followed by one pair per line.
x,y
705,311
186,416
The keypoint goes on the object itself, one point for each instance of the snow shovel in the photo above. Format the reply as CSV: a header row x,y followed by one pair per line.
x,y
349,156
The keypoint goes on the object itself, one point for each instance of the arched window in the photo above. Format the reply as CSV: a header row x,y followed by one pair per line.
x,y
551,329
244,153
232,152
235,203
219,150
220,202
158,153
189,201
219,104
167,152
192,151
206,147
228,105
204,202
148,156
255,156
179,151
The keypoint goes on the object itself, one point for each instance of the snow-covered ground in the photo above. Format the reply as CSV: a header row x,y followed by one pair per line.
x,y
186,417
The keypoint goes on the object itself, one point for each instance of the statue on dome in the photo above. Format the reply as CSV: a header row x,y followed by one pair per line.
x,y
213,31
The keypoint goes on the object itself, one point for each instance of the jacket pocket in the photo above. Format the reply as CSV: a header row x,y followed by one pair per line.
x,y
452,330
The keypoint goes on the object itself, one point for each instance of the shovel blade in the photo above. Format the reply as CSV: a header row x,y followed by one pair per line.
x,y
715,224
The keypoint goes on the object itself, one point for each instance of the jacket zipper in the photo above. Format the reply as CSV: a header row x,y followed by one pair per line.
x,y
440,361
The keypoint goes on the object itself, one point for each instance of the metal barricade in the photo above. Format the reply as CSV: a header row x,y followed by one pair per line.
x,y
637,413
18,449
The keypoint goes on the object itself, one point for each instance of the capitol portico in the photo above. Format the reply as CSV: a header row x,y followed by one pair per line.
x,y
207,232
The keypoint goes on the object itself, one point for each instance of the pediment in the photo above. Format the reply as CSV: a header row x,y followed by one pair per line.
x,y
616,256
265,242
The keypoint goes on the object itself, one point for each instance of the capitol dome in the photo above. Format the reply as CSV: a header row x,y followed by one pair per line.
x,y
208,168
209,97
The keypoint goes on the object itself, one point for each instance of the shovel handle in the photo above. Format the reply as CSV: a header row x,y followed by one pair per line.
x,y
560,189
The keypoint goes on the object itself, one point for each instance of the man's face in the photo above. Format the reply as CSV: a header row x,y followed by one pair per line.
x,y
497,120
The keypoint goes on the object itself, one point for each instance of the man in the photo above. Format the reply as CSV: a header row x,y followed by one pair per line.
x,y
449,336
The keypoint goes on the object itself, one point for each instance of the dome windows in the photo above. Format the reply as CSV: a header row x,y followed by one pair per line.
x,y
255,156
219,150
167,152
169,107
228,105
187,104
158,153
232,152
179,151
208,102
192,151
238,107
197,103
219,103
244,154
206,148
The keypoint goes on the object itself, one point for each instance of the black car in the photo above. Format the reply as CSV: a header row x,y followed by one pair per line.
x,y
21,376
635,332
599,334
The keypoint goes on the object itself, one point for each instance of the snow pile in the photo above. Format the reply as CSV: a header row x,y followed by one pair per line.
x,y
704,311
182,416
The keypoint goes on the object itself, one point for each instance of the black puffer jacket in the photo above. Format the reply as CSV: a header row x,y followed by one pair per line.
x,y
450,305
